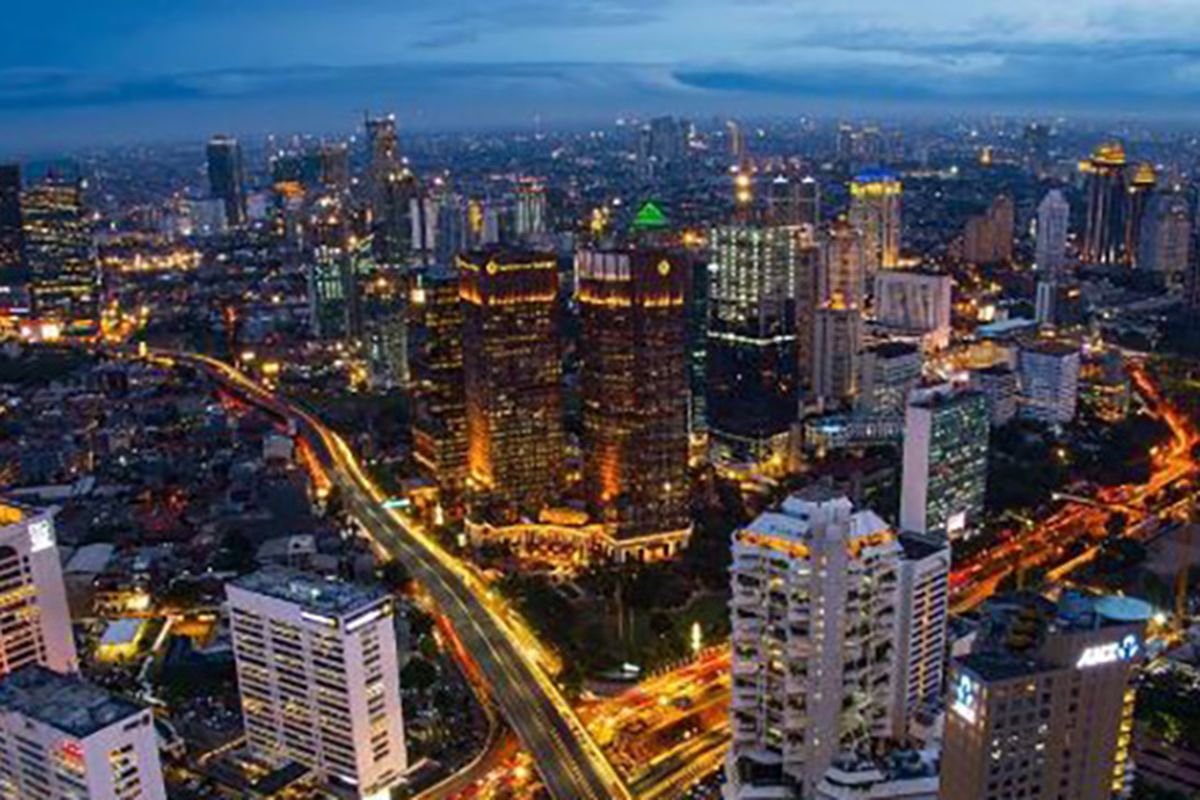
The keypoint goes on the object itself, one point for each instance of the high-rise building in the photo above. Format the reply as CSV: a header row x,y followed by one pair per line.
x,y
62,737
1104,235
1049,371
1164,248
793,200
752,322
226,177
1059,305
59,255
1142,182
843,273
35,626
333,299
888,372
921,638
999,384
513,377
988,238
319,678
875,209
667,140
815,624
837,339
391,188
531,212
1053,221
912,302
1042,707
945,461
633,380
12,246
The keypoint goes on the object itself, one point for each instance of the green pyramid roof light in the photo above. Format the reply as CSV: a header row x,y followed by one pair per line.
x,y
650,216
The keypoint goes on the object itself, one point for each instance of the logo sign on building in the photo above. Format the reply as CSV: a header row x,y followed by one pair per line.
x,y
966,699
41,535
1098,655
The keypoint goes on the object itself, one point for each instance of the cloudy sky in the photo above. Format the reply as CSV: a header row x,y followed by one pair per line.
x,y
77,71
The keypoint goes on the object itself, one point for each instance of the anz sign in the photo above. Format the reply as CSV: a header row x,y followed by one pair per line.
x,y
966,698
1125,649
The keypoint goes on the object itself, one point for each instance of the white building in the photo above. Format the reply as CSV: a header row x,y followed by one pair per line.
x,y
62,738
902,775
915,303
319,678
1049,372
921,639
815,621
1053,218
1000,386
35,623
945,461
888,372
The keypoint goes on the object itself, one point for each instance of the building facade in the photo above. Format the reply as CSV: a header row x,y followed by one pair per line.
x,y
319,678
910,302
875,210
227,178
1104,235
1053,223
889,371
1049,371
64,273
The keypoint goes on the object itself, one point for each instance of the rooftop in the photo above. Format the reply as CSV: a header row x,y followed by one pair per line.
x,y
311,592
64,702
1002,666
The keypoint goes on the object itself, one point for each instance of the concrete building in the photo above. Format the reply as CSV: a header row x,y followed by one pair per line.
x,y
988,237
60,256
1053,222
1042,708
875,210
62,738
837,339
1164,247
888,372
999,384
921,638
227,177
319,678
815,596
911,302
1104,234
945,461
1049,371
35,627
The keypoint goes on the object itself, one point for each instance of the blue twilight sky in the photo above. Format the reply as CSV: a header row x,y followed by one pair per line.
x,y
77,71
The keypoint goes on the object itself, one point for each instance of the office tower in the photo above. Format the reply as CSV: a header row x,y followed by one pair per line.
x,y
809,202
391,188
12,247
327,167
513,379
1059,305
1001,388
62,737
384,307
875,209
843,265
1164,248
910,302
1104,235
737,142
792,200
887,373
1142,182
1053,220
319,678
440,410
63,270
945,461
667,141
531,213
1049,372
752,338
334,310
698,292
35,627
633,381
988,238
1042,708
921,639
837,338
1037,146
810,284
226,177
814,614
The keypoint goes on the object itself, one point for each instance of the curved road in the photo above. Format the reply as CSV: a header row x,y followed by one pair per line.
x,y
571,765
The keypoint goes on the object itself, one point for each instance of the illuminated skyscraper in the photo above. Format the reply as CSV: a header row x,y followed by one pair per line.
x,y
12,258
843,265
440,410
63,269
634,384
1104,236
1142,182
836,344
1049,371
793,200
332,288
1164,248
513,379
752,338
391,189
888,372
1053,219
226,177
875,209
531,222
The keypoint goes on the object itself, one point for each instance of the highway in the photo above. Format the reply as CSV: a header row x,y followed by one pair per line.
x,y
571,765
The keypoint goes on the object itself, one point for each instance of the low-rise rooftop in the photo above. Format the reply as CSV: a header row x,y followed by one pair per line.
x,y
64,702
310,592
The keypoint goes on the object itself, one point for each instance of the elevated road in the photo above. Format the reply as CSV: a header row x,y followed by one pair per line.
x,y
571,765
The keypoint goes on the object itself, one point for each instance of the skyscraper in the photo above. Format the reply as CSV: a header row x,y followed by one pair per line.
x,y
945,461
1049,371
1053,219
1104,235
531,212
334,310
319,678
391,188
875,209
921,638
793,200
752,338
440,411
226,177
35,626
843,265
888,372
1042,708
1142,182
837,339
513,379
988,238
59,255
634,383
1164,248
814,611
915,302
62,737
12,247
